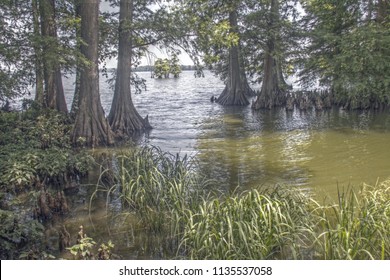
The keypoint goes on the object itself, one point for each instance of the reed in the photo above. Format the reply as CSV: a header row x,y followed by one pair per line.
x,y
159,189
182,214
257,224
358,226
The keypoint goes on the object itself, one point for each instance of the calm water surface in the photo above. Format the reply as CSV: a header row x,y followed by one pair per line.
x,y
319,151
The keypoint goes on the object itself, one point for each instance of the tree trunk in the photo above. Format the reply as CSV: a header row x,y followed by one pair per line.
x,y
39,92
76,97
90,127
274,87
273,91
249,92
124,118
234,92
55,98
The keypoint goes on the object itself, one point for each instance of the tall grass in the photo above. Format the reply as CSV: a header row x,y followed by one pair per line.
x,y
160,190
253,225
358,227
184,213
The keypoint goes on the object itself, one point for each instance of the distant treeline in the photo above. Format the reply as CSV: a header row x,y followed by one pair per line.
x,y
146,68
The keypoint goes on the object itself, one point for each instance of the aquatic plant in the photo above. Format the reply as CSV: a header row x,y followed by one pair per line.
x,y
171,199
185,216
83,249
153,182
157,188
358,226
258,224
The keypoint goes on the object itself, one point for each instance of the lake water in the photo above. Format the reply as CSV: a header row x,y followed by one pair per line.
x,y
318,151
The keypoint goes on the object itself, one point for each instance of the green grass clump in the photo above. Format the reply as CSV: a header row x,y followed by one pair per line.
x,y
270,225
159,189
358,227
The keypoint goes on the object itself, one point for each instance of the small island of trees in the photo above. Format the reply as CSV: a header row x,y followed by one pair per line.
x,y
164,67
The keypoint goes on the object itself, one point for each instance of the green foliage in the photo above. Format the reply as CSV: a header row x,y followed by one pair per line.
x,y
161,68
17,174
18,235
153,182
254,225
348,52
105,251
22,46
209,21
83,250
174,66
363,77
271,26
158,189
35,148
35,152
164,67
16,69
358,226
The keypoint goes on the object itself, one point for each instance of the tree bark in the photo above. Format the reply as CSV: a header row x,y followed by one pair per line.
x,y
249,92
39,91
76,97
54,91
90,125
274,87
124,118
234,92
273,91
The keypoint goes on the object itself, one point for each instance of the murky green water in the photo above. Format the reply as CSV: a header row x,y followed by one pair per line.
x,y
318,151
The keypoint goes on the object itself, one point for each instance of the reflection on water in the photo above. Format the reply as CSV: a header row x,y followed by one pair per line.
x,y
242,147
321,151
